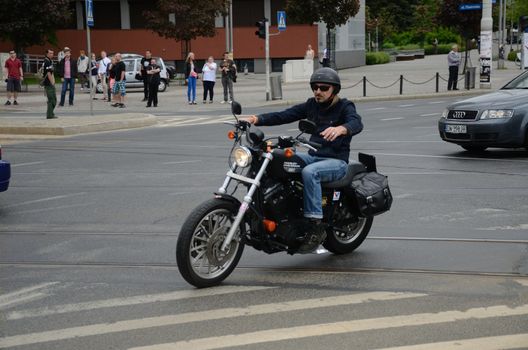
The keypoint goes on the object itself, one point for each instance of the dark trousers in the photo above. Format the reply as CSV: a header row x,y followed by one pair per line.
x,y
208,87
52,100
153,93
146,88
453,77
326,62
68,83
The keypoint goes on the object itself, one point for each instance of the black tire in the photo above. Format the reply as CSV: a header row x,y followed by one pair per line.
x,y
472,148
162,85
345,240
202,244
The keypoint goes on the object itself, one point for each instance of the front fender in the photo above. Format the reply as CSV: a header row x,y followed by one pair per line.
x,y
228,198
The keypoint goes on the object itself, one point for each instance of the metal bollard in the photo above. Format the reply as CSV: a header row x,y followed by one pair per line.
x,y
401,84
437,81
364,86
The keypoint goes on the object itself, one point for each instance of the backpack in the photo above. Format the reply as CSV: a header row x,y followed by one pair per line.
x,y
372,193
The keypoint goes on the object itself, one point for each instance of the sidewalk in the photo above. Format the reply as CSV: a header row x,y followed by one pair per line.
x,y
419,82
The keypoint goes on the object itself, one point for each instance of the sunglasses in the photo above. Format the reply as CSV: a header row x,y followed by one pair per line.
x,y
323,88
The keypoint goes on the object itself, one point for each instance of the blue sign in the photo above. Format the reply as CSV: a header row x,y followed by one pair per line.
x,y
89,13
471,7
281,20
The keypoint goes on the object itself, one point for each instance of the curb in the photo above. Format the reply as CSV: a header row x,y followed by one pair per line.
x,y
76,125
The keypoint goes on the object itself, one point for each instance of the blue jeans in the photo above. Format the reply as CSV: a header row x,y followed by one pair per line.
x,y
191,89
71,83
318,170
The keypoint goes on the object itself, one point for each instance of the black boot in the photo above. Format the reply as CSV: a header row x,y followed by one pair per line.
x,y
315,235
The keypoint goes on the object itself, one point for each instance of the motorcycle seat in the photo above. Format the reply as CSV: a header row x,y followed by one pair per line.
x,y
353,169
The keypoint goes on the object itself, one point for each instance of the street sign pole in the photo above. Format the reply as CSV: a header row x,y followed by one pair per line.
x,y
486,28
89,23
268,88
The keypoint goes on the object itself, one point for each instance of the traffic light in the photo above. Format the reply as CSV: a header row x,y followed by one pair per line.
x,y
261,32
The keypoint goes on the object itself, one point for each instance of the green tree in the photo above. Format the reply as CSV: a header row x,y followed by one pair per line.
x,y
424,19
185,20
400,13
333,12
32,22
467,23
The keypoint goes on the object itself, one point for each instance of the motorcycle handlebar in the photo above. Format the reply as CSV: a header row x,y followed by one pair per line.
x,y
310,143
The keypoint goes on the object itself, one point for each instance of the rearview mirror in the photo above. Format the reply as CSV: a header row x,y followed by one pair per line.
x,y
236,108
307,126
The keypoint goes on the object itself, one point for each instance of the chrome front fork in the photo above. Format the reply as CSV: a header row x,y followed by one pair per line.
x,y
248,198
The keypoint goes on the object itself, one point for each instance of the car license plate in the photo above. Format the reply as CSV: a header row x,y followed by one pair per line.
x,y
456,129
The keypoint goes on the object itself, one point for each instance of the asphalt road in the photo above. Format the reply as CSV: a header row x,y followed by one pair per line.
x,y
90,223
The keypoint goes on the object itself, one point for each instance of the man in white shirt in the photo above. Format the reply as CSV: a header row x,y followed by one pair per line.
x,y
209,78
103,63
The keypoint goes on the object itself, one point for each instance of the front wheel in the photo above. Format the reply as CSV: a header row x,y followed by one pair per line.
x,y
343,240
200,259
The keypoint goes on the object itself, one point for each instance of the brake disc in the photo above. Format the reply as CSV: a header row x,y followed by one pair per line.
x,y
215,255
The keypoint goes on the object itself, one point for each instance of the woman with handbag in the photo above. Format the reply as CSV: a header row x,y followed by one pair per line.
x,y
190,77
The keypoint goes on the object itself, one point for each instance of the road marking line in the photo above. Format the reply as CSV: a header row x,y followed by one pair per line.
x,y
22,300
429,114
403,106
500,342
447,157
208,315
436,102
69,206
274,335
135,300
24,293
43,200
375,109
398,118
522,282
24,164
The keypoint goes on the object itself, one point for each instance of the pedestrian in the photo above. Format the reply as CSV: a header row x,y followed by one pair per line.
x,y
119,85
209,78
111,74
435,45
153,78
103,63
453,61
228,69
145,62
13,72
82,69
310,53
337,122
49,84
326,60
191,76
94,68
67,71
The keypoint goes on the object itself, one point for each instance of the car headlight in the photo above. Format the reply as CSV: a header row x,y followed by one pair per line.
x,y
444,113
496,114
241,156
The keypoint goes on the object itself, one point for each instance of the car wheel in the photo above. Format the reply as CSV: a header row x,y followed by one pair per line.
x,y
472,148
162,85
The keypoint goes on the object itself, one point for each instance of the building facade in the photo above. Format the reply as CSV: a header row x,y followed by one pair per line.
x,y
121,27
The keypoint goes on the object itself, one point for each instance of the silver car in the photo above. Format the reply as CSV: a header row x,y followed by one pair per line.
x,y
133,68
497,119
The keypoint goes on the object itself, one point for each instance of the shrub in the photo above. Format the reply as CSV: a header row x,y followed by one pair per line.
x,y
512,56
377,58
440,50
443,35
388,45
409,47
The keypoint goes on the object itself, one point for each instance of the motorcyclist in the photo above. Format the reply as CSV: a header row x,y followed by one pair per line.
x,y
337,121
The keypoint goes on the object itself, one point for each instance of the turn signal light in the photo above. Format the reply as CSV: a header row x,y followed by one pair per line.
x,y
269,225
288,153
231,135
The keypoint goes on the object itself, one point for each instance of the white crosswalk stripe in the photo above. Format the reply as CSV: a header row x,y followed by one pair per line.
x,y
170,320
290,332
274,335
194,120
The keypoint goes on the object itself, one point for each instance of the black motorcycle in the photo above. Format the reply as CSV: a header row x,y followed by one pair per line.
x,y
270,216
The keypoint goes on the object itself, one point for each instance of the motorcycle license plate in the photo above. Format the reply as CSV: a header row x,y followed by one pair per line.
x,y
456,129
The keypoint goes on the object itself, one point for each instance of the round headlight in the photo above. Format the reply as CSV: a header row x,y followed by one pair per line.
x,y
241,156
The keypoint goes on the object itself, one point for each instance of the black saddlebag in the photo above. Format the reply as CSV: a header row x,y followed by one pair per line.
x,y
372,193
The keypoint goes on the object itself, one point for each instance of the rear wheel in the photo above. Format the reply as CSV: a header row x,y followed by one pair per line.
x,y
472,148
345,239
200,259
162,85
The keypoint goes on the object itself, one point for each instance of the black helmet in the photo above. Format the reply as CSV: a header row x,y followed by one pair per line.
x,y
328,76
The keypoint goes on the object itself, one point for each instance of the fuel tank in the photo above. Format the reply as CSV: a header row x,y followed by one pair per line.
x,y
283,167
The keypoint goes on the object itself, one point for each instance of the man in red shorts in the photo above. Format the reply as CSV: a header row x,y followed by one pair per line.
x,y
13,72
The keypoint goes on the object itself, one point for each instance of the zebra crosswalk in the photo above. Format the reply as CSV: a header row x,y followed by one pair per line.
x,y
180,121
281,307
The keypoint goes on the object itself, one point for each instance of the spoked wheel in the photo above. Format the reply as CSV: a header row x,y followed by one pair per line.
x,y
200,258
343,240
